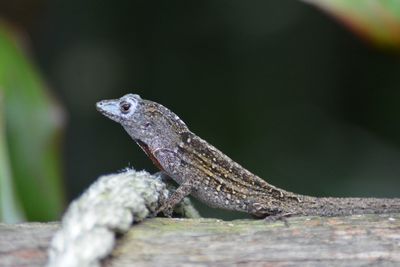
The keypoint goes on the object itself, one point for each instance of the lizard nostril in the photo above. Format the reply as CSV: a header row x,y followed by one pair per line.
x,y
99,105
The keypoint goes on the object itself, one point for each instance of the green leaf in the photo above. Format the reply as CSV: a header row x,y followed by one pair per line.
x,y
376,20
33,122
10,209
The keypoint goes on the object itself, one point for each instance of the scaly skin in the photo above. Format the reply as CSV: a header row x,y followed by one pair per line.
x,y
209,175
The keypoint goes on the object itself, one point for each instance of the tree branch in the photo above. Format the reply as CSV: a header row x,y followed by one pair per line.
x,y
313,241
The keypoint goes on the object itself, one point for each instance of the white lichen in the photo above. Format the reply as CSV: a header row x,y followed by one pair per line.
x,y
109,206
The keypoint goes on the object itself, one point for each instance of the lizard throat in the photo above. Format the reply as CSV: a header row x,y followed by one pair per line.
x,y
149,153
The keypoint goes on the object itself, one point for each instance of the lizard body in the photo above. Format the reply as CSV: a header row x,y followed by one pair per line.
x,y
208,174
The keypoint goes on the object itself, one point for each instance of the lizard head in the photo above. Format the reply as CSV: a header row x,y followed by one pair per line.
x,y
145,121
121,110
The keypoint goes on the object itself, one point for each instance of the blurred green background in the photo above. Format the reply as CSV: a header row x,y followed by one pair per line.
x,y
279,86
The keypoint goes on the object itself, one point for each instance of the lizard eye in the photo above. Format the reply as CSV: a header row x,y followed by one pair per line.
x,y
125,107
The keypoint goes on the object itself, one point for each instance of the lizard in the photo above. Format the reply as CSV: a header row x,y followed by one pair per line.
x,y
209,175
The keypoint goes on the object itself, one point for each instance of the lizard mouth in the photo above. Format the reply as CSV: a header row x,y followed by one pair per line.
x,y
108,109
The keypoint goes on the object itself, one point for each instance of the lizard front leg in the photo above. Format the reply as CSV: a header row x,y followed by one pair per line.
x,y
180,193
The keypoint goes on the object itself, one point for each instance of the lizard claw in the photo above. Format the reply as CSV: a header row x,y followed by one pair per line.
x,y
166,210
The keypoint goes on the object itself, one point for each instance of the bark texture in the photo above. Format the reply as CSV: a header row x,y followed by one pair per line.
x,y
357,240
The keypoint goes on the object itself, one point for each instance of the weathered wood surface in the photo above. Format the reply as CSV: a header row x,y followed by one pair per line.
x,y
372,240
25,244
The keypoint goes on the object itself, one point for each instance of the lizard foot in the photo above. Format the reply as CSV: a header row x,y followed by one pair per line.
x,y
166,209
279,217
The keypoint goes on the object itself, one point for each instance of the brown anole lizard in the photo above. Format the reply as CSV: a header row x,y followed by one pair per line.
x,y
205,172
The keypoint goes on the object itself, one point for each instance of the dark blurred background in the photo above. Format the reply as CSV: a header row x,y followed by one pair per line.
x,y
279,86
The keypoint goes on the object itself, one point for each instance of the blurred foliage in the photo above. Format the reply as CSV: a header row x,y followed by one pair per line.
x,y
377,20
29,138
10,210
